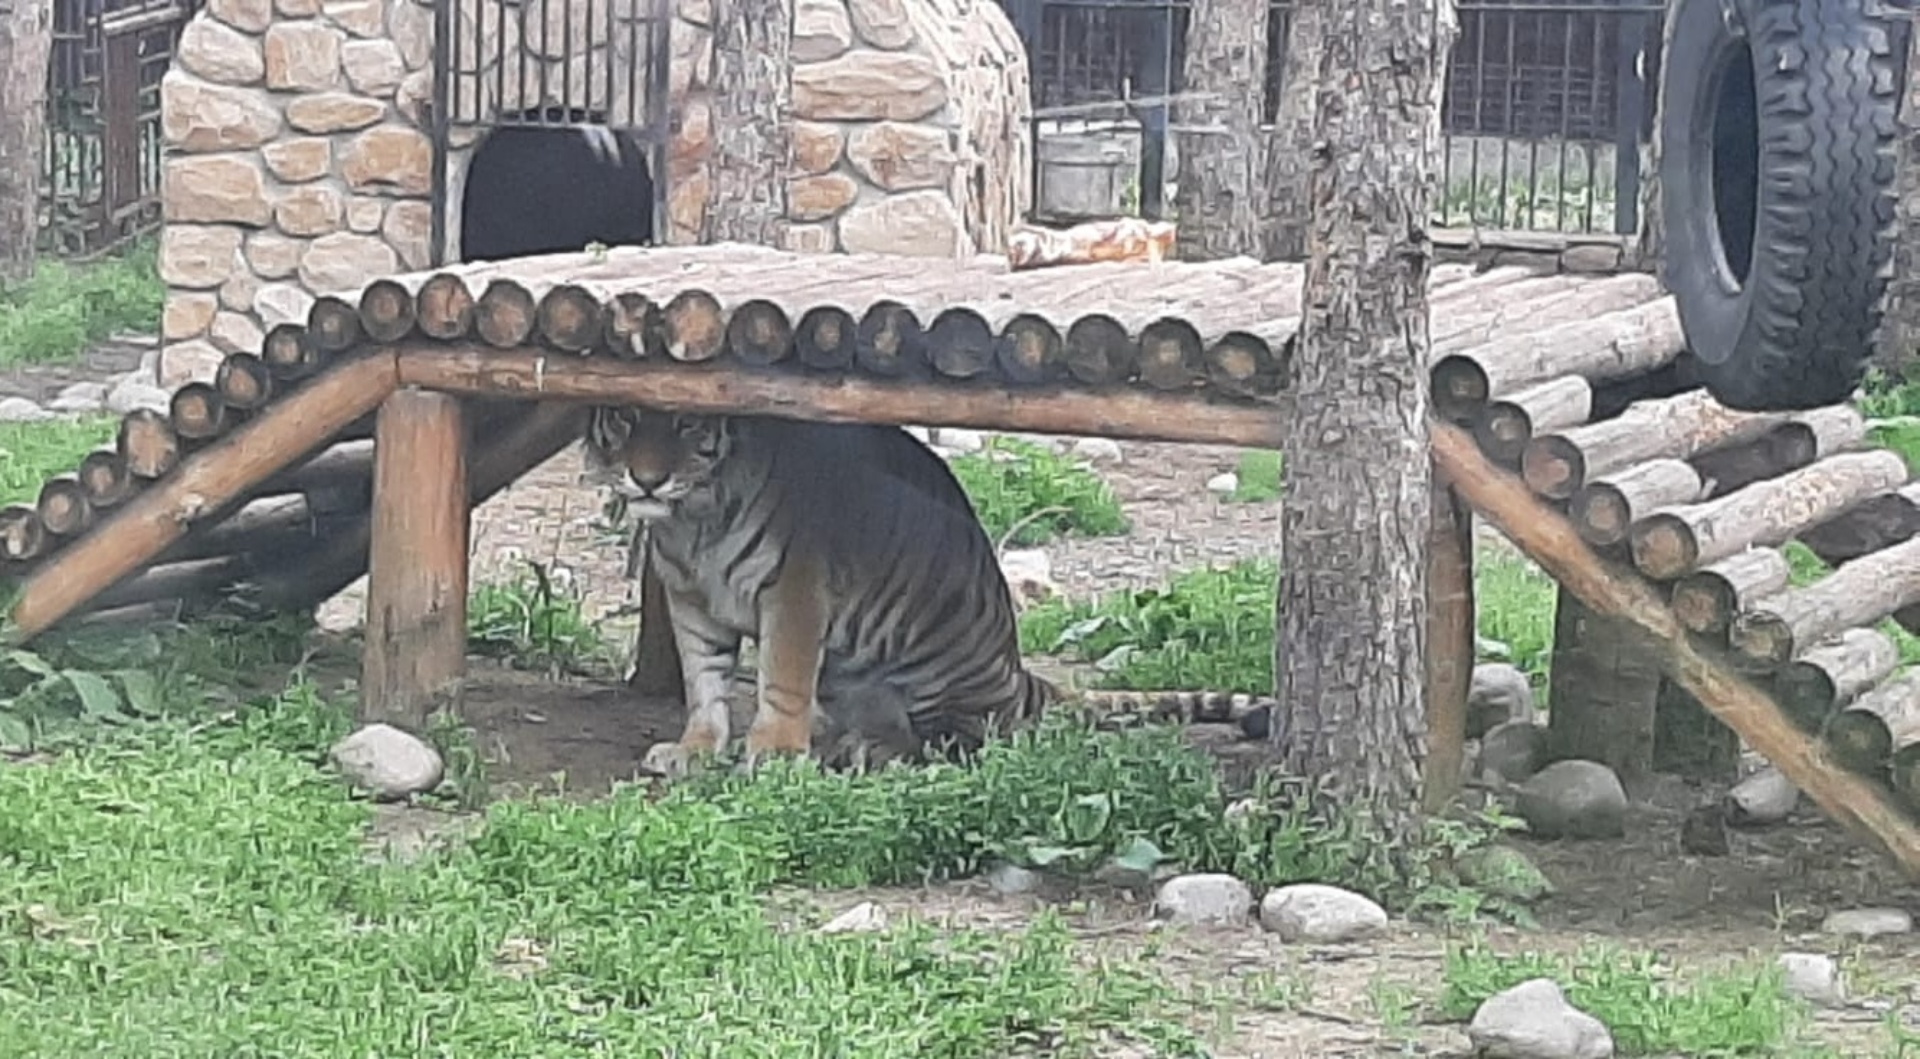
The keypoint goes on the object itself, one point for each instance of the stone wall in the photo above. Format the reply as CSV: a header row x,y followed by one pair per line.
x,y
910,132
298,161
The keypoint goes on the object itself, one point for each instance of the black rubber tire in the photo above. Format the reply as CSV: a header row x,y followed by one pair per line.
x,y
1777,161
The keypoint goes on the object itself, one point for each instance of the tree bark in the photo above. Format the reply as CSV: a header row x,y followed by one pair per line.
x,y
1353,592
752,140
1290,146
1652,236
1901,328
26,44
1217,199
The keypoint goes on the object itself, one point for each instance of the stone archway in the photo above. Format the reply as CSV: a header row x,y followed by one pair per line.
x,y
592,185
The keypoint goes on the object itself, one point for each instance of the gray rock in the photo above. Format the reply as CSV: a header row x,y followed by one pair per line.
x,y
862,918
1098,450
130,393
1210,899
1766,797
1574,799
387,763
1223,484
1513,751
1812,977
1117,873
1012,879
1868,922
1241,810
21,410
957,439
80,397
1499,693
920,434
1534,1021
1312,912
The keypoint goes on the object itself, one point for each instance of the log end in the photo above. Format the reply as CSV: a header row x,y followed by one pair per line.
x,y
1553,467
695,326
1602,514
1762,642
1460,388
1663,546
1859,740
1099,352
1502,431
1703,603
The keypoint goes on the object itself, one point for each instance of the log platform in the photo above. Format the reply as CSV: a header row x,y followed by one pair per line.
x,y
1562,397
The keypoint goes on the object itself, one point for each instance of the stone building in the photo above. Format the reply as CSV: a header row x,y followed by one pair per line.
x,y
298,158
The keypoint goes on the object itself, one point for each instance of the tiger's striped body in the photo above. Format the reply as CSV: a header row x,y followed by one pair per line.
x,y
850,554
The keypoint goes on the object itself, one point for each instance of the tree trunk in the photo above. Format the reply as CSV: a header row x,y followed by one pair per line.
x,y
1353,599
747,200
1652,236
1901,328
1289,149
26,43
1226,55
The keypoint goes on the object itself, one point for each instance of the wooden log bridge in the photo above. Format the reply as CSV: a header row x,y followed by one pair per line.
x,y
360,440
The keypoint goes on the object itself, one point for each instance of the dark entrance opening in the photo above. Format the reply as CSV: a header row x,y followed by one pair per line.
x,y
555,187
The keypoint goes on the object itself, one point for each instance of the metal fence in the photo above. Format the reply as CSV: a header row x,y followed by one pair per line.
x,y
100,173
594,66
1547,105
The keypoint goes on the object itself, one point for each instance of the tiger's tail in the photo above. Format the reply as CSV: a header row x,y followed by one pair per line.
x,y
1120,709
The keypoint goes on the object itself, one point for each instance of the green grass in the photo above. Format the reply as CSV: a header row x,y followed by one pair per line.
x,y
57,312
1648,1009
1514,607
1210,629
535,623
66,687
1035,495
1258,477
30,453
237,913
1213,628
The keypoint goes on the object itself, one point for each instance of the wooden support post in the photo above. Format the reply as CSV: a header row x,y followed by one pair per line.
x,y
1550,540
1601,692
1689,741
1450,645
416,628
656,664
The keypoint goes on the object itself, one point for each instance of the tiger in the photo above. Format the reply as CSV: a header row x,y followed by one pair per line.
x,y
850,554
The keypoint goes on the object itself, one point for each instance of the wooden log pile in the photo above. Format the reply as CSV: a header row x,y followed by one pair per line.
x,y
1702,503
1173,351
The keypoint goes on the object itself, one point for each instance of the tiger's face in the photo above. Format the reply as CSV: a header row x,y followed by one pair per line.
x,y
656,460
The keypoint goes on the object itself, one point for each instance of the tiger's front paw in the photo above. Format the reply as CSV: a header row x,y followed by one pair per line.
x,y
780,737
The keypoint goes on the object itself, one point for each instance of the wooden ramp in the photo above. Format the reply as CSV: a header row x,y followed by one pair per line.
x,y
261,480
